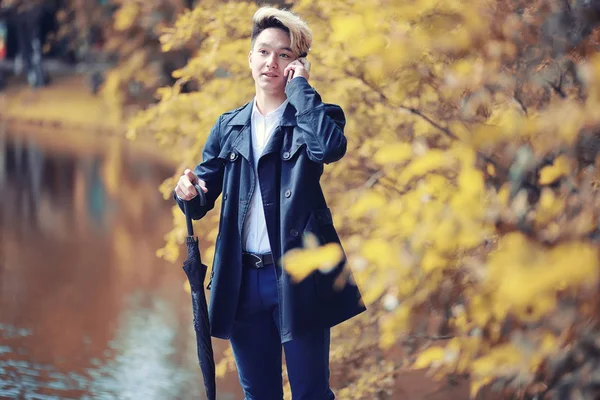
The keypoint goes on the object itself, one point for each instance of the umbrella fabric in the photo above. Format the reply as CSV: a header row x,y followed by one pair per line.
x,y
196,272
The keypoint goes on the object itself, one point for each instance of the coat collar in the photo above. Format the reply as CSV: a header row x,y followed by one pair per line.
x,y
244,117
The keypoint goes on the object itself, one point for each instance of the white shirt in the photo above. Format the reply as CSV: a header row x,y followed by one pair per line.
x,y
254,231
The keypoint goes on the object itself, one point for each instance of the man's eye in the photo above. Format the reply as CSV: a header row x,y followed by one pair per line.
x,y
262,51
284,56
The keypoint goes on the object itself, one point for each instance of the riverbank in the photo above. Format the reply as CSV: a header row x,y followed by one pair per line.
x,y
67,106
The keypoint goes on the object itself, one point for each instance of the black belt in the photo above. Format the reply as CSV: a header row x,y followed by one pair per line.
x,y
253,260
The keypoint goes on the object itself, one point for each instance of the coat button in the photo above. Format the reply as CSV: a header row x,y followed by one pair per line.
x,y
294,233
288,193
286,155
232,156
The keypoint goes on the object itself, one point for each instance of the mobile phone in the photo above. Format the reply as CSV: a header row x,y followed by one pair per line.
x,y
306,65
305,62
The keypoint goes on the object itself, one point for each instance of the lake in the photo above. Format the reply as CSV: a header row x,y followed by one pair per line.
x,y
87,310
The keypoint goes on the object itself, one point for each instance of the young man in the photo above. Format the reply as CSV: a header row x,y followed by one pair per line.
x,y
266,159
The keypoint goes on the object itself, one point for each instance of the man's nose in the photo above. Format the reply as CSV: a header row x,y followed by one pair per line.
x,y
272,61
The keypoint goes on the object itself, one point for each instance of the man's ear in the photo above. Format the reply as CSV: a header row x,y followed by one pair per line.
x,y
250,59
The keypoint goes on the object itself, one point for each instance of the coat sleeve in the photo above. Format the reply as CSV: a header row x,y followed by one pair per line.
x,y
321,124
210,170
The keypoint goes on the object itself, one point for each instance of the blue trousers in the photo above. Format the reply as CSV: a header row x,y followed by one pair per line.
x,y
257,347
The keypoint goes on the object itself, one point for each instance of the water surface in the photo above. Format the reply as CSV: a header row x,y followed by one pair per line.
x,y
87,311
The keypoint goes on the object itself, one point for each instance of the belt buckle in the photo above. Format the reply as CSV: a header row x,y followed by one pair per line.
x,y
259,262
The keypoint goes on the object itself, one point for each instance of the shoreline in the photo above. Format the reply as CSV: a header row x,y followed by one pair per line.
x,y
66,116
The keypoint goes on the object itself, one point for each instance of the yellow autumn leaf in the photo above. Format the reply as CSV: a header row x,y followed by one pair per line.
x,y
479,310
543,305
433,261
445,239
378,250
433,355
548,207
300,263
522,273
407,286
371,291
369,200
460,323
178,73
470,182
221,369
394,324
432,160
559,168
477,384
370,45
344,27
394,153
503,357
504,194
465,67
548,343
126,15
506,116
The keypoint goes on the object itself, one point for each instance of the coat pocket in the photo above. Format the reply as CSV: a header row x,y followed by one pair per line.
x,y
320,224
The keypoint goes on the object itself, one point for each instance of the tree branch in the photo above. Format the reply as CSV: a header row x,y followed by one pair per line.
x,y
517,97
431,337
430,121
418,113
373,179
557,87
411,110
558,90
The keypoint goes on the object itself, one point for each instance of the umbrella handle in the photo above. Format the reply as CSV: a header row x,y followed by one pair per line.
x,y
188,218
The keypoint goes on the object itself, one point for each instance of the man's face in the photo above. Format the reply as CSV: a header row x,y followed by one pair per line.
x,y
268,58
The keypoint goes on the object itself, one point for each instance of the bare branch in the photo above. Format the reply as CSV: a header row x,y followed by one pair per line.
x,y
431,337
414,111
558,87
430,121
517,97
411,110
373,179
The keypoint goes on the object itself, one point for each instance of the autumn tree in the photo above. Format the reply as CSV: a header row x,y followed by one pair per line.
x,y
118,41
468,200
132,38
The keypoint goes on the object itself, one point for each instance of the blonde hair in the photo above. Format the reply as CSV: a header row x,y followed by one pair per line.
x,y
298,30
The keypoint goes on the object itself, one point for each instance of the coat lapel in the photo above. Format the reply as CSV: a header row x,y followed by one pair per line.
x,y
242,143
288,121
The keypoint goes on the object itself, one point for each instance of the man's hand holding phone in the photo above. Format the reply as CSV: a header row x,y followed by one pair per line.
x,y
299,67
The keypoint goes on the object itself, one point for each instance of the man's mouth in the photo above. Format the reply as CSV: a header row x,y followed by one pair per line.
x,y
270,75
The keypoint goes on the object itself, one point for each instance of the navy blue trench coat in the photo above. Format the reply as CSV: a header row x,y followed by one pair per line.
x,y
311,134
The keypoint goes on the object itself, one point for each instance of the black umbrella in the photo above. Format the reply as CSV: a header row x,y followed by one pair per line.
x,y
196,272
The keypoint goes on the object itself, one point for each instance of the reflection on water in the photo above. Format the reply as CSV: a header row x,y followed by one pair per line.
x,y
87,311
